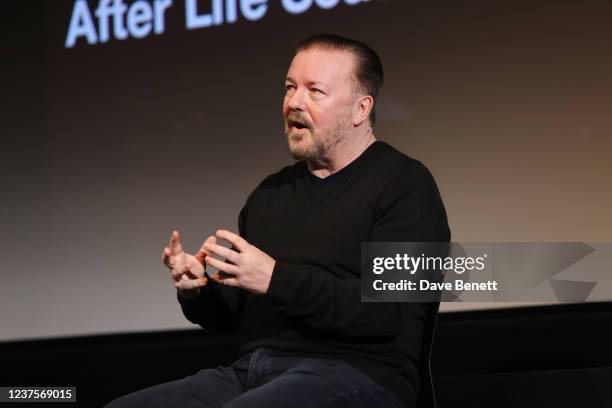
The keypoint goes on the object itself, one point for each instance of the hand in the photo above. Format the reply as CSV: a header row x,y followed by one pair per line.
x,y
245,266
186,270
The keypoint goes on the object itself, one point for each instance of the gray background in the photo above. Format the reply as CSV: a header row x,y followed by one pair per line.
x,y
108,148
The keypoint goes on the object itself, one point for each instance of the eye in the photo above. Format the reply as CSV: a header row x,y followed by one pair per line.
x,y
289,87
316,91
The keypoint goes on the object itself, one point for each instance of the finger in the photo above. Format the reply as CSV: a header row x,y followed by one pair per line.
x,y
225,280
166,257
172,238
178,273
236,240
191,283
230,255
184,277
195,269
175,243
201,254
222,266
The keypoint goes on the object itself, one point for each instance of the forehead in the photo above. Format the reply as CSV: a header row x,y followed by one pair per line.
x,y
327,66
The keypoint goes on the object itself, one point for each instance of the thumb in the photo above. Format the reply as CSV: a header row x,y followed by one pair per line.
x,y
202,253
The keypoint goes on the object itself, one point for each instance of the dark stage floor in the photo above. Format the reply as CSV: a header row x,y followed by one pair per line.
x,y
548,356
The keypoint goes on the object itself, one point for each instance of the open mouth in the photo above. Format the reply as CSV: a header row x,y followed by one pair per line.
x,y
297,125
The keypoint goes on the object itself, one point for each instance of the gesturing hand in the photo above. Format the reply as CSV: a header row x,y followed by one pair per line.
x,y
245,266
186,270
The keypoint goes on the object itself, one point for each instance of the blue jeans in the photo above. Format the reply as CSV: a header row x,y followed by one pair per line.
x,y
267,378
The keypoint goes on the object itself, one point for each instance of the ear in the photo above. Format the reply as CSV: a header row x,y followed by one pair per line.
x,y
362,108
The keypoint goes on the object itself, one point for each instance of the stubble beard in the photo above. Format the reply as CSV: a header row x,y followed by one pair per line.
x,y
304,146
314,145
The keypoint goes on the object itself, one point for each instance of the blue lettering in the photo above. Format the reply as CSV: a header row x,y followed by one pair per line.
x,y
253,9
296,6
81,24
139,19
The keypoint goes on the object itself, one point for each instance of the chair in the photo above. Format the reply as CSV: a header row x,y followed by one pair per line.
x,y
427,397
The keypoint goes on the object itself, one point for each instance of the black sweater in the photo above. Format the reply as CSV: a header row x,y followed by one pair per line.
x,y
314,233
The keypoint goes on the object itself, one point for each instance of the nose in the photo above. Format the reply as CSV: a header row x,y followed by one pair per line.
x,y
295,100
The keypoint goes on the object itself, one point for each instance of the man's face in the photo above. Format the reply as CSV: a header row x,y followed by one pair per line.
x,y
320,91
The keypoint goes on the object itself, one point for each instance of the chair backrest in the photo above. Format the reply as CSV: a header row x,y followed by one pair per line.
x,y
427,397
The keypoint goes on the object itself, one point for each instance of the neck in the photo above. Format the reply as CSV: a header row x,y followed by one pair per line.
x,y
341,155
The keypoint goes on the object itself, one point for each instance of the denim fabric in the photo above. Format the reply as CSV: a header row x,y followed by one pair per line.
x,y
267,378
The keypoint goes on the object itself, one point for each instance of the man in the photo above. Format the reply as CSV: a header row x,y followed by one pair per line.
x,y
290,283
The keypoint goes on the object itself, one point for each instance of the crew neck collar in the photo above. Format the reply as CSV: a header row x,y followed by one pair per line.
x,y
349,164
335,178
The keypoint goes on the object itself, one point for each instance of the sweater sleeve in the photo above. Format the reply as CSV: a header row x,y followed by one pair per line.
x,y
407,209
218,307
